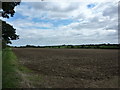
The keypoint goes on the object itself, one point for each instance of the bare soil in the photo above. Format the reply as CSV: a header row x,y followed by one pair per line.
x,y
71,68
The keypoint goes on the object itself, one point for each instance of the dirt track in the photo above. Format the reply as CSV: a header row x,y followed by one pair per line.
x,y
71,68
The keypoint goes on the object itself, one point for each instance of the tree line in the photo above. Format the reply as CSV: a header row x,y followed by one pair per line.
x,y
92,46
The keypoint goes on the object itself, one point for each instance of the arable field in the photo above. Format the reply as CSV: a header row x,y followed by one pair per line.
x,y
70,68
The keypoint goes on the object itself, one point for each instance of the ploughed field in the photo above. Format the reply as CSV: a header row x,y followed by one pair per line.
x,y
71,68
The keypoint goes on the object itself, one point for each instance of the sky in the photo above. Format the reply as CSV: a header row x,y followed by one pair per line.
x,y
71,23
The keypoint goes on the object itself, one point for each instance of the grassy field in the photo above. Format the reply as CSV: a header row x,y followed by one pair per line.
x,y
69,68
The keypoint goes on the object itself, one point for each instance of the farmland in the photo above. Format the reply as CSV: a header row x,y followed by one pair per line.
x,y
70,68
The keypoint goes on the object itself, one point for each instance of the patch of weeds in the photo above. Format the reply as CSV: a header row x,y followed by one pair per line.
x,y
24,69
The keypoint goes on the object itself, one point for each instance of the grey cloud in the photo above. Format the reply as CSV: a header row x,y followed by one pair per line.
x,y
111,11
87,30
54,6
114,27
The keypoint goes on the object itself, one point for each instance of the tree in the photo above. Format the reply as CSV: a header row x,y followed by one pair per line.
x,y
8,32
8,8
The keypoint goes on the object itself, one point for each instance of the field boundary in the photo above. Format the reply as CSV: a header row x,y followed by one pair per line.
x,y
10,77
14,74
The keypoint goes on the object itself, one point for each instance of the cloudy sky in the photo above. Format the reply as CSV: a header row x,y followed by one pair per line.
x,y
58,23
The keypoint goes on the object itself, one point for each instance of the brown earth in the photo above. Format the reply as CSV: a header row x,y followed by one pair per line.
x,y
70,68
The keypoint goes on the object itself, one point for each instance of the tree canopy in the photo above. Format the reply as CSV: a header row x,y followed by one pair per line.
x,y
8,31
8,8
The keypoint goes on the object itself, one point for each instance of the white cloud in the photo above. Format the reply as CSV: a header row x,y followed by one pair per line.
x,y
90,25
21,23
67,10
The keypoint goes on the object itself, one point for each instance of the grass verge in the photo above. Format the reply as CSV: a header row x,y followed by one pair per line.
x,y
14,74
10,77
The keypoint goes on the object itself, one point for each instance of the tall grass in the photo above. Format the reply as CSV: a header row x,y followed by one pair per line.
x,y
10,77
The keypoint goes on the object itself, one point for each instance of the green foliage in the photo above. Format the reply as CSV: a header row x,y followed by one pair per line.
x,y
109,47
8,32
13,71
8,8
10,77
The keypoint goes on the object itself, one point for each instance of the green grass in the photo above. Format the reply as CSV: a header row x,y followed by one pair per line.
x,y
10,77
109,47
24,69
13,71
